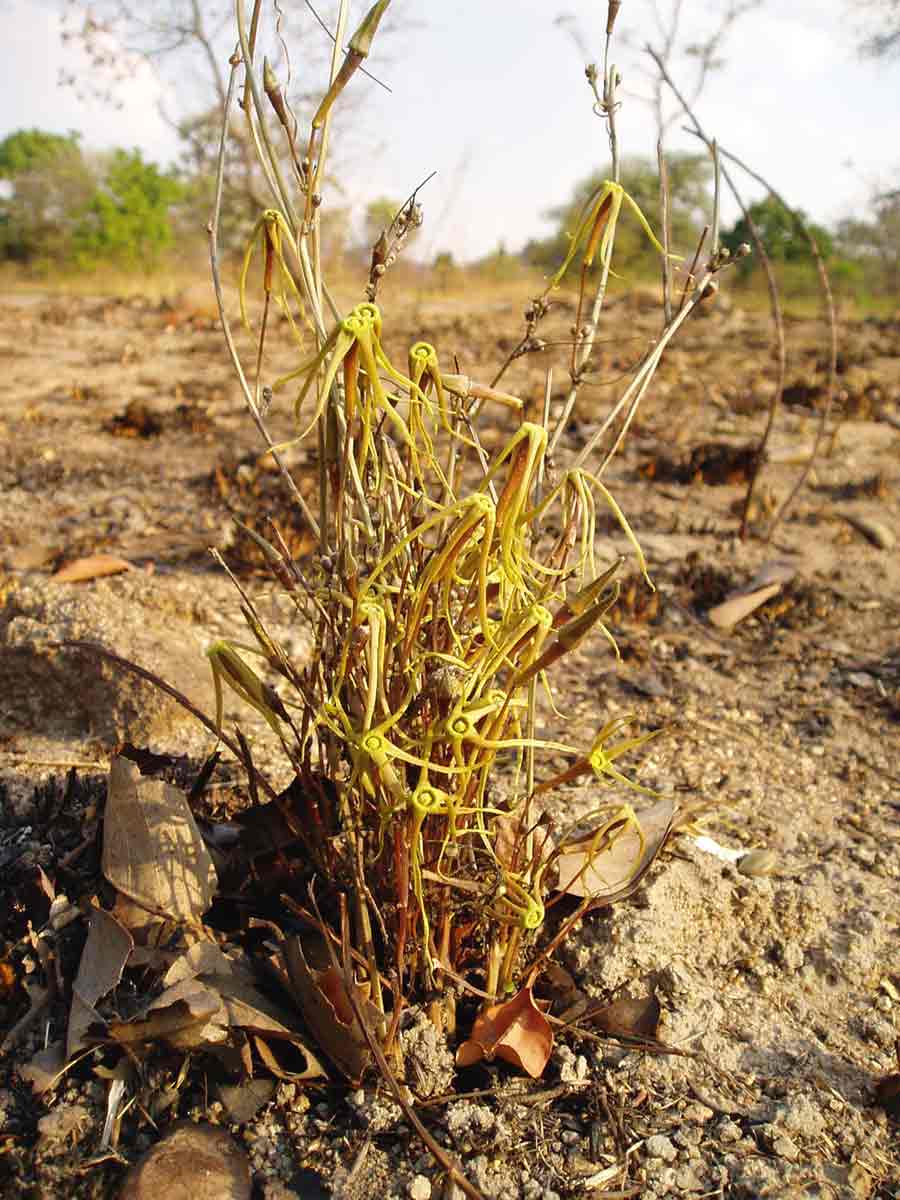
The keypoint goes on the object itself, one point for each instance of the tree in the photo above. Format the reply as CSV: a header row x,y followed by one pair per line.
x,y
188,43
780,234
47,183
875,245
689,180
128,218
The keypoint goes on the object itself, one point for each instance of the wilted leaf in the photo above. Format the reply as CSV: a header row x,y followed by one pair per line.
x,y
187,1016
633,1019
515,1030
767,582
44,1069
103,959
614,873
202,958
244,1100
152,848
510,830
93,567
327,1011
288,1059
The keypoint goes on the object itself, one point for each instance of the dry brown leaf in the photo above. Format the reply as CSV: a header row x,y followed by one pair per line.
x,y
186,1016
327,1011
735,608
43,1070
768,582
625,1018
614,873
94,566
288,1059
103,959
152,849
205,965
515,1030
202,958
244,1100
510,830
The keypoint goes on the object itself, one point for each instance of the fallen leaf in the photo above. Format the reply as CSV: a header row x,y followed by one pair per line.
x,y
288,1059
244,1100
202,958
103,959
515,1030
768,582
614,873
152,849
43,1070
94,566
327,1011
186,1016
625,1018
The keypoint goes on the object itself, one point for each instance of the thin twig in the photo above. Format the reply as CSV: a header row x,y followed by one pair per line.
x,y
774,300
212,230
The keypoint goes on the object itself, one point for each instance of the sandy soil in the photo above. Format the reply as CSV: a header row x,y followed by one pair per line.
x,y
124,434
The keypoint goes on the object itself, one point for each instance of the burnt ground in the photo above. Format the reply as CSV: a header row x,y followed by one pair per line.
x,y
124,435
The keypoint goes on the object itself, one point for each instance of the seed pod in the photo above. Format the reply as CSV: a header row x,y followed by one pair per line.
x,y
758,863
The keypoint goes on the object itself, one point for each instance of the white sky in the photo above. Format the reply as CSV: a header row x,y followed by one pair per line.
x,y
491,95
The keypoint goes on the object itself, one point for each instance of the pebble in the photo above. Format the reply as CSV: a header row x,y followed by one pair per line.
x,y
192,1162
419,1188
659,1146
786,1147
758,863
728,1131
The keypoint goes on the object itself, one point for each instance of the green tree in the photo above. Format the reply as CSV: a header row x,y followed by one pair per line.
x,y
781,233
128,218
689,183
47,183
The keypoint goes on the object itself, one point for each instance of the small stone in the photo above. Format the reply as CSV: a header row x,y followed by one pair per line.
x,y
728,1131
419,1188
785,1147
192,1162
698,1113
660,1146
758,863
687,1180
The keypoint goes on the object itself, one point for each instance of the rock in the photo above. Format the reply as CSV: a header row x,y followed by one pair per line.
x,y
192,1162
786,1147
728,1131
67,692
573,1068
687,1180
660,1146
